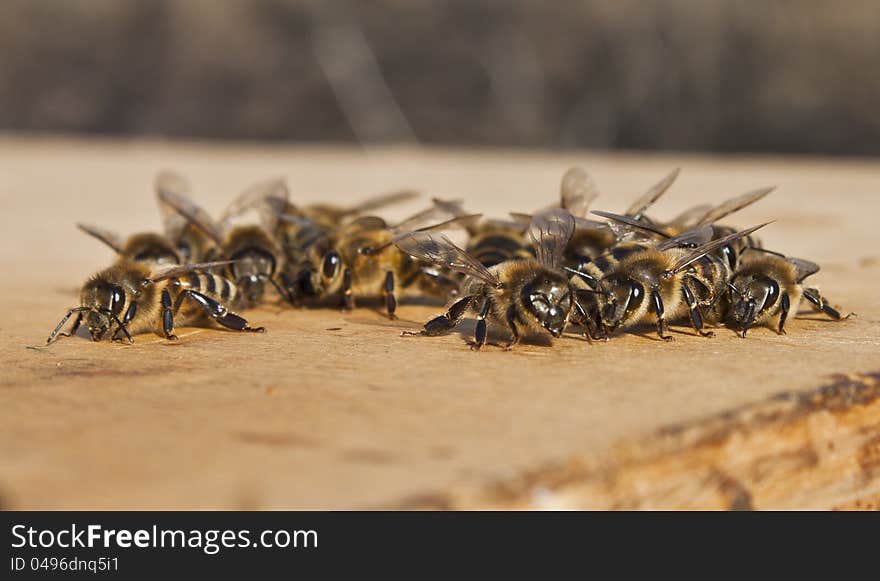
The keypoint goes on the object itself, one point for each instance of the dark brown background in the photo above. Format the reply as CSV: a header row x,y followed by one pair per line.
x,y
717,75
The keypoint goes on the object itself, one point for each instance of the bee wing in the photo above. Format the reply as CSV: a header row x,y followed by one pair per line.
x,y
709,247
734,205
804,268
363,223
173,196
577,192
690,239
626,225
169,184
109,238
381,201
264,197
175,270
550,232
652,195
689,218
440,250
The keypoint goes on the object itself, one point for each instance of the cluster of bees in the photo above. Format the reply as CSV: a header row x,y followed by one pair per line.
x,y
538,273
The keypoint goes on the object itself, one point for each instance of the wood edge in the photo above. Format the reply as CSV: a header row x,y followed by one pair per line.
x,y
816,449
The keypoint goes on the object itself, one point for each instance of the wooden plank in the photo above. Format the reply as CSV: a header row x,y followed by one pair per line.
x,y
334,410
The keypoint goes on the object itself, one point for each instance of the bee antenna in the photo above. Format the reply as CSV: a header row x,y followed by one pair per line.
x,y
579,273
733,288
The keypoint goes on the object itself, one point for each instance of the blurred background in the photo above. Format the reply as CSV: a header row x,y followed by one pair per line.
x,y
713,75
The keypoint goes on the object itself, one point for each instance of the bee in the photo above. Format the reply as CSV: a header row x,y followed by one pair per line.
x,y
766,286
592,238
131,297
661,281
193,243
253,256
298,229
526,295
492,241
359,259
146,247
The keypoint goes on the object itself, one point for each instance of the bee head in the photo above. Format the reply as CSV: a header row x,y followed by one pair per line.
x,y
105,302
251,269
548,299
750,297
620,298
98,324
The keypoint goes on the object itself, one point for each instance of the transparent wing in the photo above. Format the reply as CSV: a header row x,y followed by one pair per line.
x,y
577,192
109,238
689,218
440,250
637,209
170,184
263,197
175,270
709,247
174,197
690,239
381,201
625,225
734,205
550,232
804,268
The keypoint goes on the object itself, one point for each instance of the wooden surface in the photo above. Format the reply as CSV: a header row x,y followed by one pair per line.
x,y
333,410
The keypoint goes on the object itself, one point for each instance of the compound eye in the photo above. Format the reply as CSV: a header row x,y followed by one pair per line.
x,y
117,299
331,264
730,255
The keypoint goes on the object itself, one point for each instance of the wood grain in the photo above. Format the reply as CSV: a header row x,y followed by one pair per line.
x,y
335,410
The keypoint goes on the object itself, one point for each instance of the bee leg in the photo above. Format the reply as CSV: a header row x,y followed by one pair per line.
x,y
511,324
129,315
347,293
819,303
694,308
390,300
282,292
168,316
785,307
662,323
220,313
587,323
482,330
73,330
445,323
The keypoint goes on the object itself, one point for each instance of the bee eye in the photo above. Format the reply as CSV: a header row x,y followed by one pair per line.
x,y
331,264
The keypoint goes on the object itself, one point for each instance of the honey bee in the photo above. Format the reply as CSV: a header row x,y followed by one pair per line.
x,y
132,297
297,229
526,295
192,241
254,257
658,281
592,238
767,285
359,259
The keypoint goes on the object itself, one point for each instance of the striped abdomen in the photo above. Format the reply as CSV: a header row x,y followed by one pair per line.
x,y
495,248
213,285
